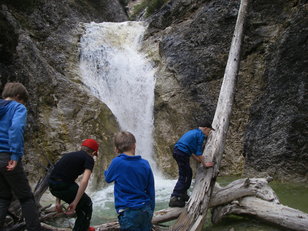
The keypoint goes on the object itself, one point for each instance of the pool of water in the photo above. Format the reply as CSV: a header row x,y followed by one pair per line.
x,y
292,195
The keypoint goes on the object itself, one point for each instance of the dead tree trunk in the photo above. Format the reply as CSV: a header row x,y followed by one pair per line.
x,y
246,197
269,211
192,218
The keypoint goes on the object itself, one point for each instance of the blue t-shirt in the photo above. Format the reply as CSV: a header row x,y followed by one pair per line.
x,y
191,142
133,182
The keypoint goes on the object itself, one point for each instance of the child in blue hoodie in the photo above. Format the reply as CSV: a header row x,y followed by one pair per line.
x,y
133,185
13,116
190,144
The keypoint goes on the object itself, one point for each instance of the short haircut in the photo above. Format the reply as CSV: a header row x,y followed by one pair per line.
x,y
206,124
15,90
87,149
124,141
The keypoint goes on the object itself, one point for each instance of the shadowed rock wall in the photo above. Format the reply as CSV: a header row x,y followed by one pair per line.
x,y
188,41
267,128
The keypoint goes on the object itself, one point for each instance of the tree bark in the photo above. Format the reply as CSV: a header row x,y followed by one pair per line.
x,y
223,195
193,216
269,211
246,197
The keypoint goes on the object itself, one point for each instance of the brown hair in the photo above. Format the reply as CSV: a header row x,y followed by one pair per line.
x,y
86,149
124,141
15,90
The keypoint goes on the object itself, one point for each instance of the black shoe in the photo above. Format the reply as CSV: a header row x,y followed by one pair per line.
x,y
185,197
176,202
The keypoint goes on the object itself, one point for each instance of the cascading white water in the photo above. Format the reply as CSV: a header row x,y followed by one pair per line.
x,y
121,77
116,72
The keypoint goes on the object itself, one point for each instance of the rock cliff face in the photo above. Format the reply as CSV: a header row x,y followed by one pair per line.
x,y
39,47
267,128
188,41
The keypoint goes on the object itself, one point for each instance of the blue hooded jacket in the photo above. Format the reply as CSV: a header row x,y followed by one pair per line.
x,y
191,142
133,182
12,123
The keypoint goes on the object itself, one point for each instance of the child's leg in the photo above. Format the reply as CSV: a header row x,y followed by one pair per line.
x,y
67,193
185,175
17,182
84,213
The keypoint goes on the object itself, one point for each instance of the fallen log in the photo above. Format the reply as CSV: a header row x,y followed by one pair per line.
x,y
223,195
246,197
269,211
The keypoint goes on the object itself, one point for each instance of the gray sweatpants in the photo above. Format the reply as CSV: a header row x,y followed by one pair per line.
x,y
16,181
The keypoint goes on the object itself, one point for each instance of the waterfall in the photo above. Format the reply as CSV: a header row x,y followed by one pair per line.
x,y
120,76
115,70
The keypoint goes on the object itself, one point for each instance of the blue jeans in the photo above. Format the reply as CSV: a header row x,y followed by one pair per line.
x,y
185,173
136,219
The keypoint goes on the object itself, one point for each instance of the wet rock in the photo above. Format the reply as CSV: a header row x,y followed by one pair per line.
x,y
40,49
266,133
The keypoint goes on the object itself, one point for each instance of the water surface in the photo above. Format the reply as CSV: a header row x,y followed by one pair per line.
x,y
292,195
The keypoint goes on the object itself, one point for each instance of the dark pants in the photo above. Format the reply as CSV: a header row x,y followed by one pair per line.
x,y
16,181
136,219
67,192
185,173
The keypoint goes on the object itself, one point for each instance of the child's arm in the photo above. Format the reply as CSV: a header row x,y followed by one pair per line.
x,y
151,190
16,132
82,187
110,173
202,161
196,158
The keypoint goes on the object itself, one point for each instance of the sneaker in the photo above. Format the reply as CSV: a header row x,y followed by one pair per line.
x,y
176,202
185,197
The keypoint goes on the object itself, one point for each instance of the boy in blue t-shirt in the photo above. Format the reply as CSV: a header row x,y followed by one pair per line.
x,y
190,144
133,179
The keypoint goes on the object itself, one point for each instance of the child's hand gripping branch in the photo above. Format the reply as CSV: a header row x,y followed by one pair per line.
x,y
202,160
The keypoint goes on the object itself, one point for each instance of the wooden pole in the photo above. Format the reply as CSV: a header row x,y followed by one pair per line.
x,y
193,216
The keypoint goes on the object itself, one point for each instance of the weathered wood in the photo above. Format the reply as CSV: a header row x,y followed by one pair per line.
x,y
250,197
269,211
42,184
165,215
223,195
192,218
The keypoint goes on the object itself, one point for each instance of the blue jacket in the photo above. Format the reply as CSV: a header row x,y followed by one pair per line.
x,y
133,182
12,123
191,142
